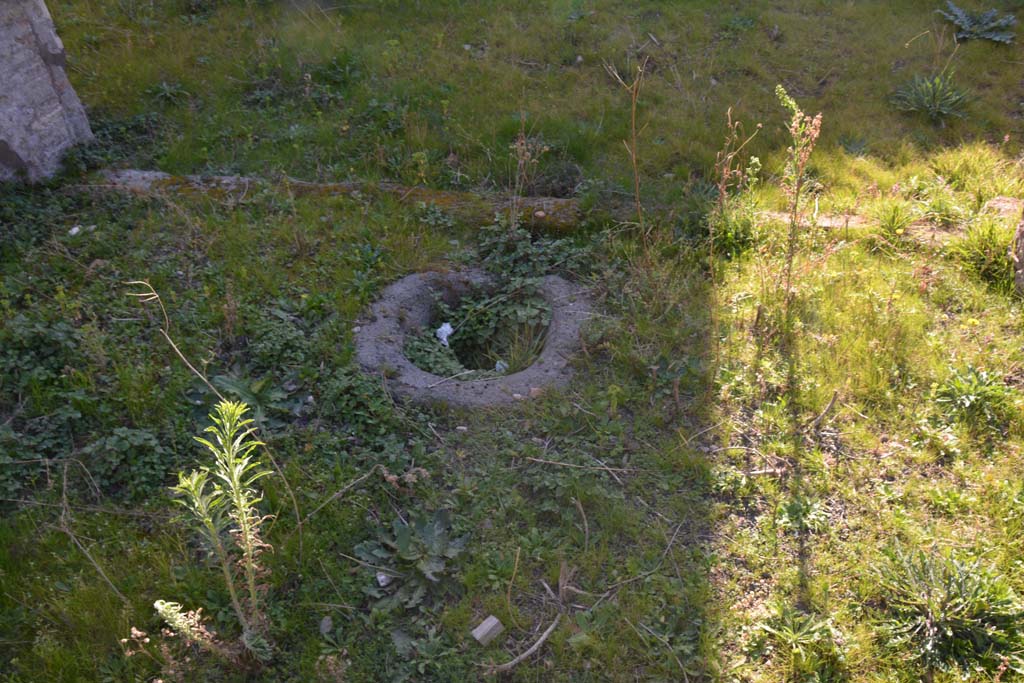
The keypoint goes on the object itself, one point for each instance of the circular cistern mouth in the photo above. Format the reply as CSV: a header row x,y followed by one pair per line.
x,y
458,338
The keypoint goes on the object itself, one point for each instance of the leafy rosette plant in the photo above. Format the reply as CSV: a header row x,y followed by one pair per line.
x,y
413,561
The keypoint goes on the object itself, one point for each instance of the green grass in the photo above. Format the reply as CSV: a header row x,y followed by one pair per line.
x,y
733,528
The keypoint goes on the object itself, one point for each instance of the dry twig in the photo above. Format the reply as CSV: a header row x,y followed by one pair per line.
x,y
508,666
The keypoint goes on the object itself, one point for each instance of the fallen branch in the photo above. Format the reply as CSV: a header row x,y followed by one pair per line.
x,y
816,421
586,526
580,467
508,666
508,592
336,495
64,525
619,584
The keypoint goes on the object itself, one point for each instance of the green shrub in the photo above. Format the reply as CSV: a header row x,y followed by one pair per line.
x,y
894,217
360,403
276,343
944,614
513,252
975,398
734,231
131,462
942,208
34,353
426,352
980,170
802,515
982,251
269,402
506,326
939,439
936,97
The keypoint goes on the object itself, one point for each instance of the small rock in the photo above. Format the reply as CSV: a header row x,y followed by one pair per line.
x,y
518,397
383,579
1016,255
75,230
326,624
579,59
535,392
488,630
462,428
1005,207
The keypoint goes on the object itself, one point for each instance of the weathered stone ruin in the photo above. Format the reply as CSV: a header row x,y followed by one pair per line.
x,y
1017,255
40,114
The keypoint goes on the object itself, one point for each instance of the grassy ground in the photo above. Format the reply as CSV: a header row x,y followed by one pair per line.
x,y
684,484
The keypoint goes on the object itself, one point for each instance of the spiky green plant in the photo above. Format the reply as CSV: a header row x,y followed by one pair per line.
x,y
223,500
809,644
937,97
237,470
945,614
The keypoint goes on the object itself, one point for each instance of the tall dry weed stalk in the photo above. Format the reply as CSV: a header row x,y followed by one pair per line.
x,y
632,145
729,175
527,152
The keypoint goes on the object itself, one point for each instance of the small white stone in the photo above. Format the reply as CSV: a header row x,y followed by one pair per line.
x,y
444,332
75,230
462,428
383,579
488,630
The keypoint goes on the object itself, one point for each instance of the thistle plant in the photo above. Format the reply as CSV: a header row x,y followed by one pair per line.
x,y
804,131
222,499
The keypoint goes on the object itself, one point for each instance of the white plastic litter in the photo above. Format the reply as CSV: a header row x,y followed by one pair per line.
x,y
444,332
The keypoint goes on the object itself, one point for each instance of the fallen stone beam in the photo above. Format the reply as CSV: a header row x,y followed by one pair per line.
x,y
541,213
